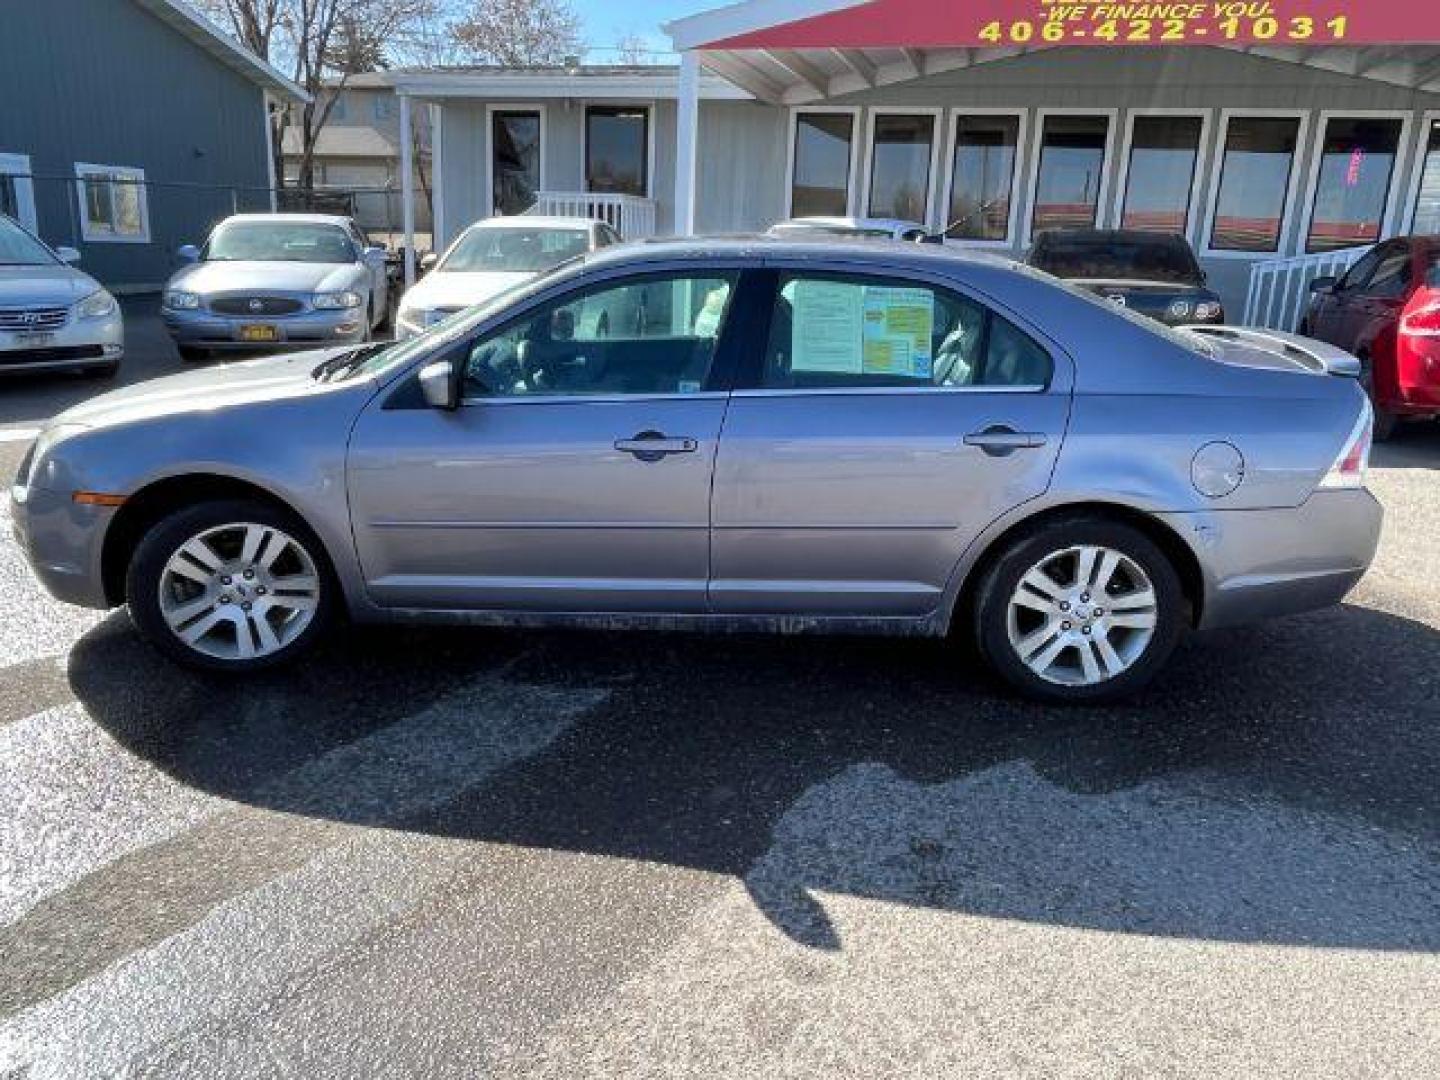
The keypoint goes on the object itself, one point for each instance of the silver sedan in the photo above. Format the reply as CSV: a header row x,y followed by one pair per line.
x,y
741,433
265,282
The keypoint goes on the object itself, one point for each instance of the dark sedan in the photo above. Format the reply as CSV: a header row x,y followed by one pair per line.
x,y
1155,274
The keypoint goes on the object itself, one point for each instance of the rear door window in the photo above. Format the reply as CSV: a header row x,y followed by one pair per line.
x,y
850,332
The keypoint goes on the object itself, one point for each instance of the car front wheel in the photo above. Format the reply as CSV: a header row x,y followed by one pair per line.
x,y
1080,610
230,585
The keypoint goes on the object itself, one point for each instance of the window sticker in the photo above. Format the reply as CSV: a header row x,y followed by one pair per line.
x,y
827,327
862,330
899,329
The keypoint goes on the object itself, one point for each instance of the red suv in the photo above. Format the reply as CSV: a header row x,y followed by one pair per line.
x,y
1386,310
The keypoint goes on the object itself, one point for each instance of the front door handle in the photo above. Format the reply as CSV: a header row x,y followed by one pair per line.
x,y
999,440
654,445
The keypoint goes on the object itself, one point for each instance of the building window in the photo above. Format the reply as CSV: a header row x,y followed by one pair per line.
x,y
1160,173
337,110
9,197
820,178
113,204
1357,166
982,178
617,150
514,160
1071,172
1427,201
1255,173
901,148
384,108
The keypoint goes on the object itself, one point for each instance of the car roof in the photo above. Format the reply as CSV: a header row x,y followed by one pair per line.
x,y
820,222
310,219
820,248
534,221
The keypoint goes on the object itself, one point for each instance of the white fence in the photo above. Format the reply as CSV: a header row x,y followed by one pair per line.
x,y
631,216
1280,288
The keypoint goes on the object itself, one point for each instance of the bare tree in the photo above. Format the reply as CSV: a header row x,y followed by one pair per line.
x,y
520,32
634,50
320,43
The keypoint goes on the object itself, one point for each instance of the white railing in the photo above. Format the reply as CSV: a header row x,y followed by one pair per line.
x,y
631,216
1280,288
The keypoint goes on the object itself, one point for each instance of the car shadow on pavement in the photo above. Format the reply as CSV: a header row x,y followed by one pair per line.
x,y
1413,446
1279,784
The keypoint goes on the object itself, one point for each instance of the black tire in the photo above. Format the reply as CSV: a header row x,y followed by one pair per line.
x,y
990,612
1385,423
192,354
165,538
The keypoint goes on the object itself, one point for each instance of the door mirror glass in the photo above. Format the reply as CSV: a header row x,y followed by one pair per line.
x,y
1324,283
188,253
438,385
68,255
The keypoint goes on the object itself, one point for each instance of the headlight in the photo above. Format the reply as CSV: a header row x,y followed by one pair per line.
x,y
96,306
336,301
179,300
44,446
1209,311
1178,309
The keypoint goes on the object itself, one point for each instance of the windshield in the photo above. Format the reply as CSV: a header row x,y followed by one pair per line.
x,y
1160,259
443,333
514,250
19,248
279,241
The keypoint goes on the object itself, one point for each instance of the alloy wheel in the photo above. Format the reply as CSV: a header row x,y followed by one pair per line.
x,y
240,591
1082,615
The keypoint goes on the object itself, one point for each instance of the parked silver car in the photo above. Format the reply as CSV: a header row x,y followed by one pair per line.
x,y
53,317
265,282
760,433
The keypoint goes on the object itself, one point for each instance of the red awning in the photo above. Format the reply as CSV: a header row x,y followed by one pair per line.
x,y
929,24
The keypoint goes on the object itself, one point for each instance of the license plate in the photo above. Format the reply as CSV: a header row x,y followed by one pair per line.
x,y
259,332
33,340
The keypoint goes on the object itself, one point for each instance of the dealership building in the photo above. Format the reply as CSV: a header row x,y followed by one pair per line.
x,y
1281,138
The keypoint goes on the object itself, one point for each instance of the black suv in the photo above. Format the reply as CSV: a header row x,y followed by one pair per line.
x,y
1154,274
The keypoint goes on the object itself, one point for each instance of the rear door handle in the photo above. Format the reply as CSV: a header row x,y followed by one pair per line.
x,y
999,440
654,445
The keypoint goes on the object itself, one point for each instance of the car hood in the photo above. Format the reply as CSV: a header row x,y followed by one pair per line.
x,y
42,286
460,289
209,390
224,277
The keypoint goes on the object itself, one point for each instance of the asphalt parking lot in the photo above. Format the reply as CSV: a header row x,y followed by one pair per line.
x,y
482,853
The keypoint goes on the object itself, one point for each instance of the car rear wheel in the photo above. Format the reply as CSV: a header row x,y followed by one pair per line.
x,y
1079,610
232,585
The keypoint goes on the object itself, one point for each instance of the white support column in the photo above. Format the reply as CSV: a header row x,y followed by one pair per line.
x,y
407,187
437,192
687,124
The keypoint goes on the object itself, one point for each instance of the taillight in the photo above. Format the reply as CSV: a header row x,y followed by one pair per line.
x,y
1422,314
1354,458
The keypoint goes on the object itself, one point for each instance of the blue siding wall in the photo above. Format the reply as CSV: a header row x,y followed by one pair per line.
x,y
108,83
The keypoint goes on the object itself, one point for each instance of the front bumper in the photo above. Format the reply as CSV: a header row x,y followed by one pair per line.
x,y
76,346
1258,564
62,541
303,330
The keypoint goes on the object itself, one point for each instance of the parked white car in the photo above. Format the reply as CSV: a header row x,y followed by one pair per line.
x,y
853,227
53,317
492,256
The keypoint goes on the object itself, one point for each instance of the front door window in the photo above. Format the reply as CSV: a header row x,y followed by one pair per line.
x,y
515,160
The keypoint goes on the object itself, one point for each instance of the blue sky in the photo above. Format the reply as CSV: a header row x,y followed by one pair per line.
x,y
607,21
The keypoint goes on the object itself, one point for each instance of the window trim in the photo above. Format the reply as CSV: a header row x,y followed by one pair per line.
x,y
17,167
1102,197
1397,170
857,151
1417,168
1285,241
490,110
85,170
649,110
1017,176
936,114
752,371
1202,162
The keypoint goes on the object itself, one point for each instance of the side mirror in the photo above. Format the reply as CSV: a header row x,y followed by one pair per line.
x,y
188,253
439,385
375,256
428,261
68,255
1325,283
